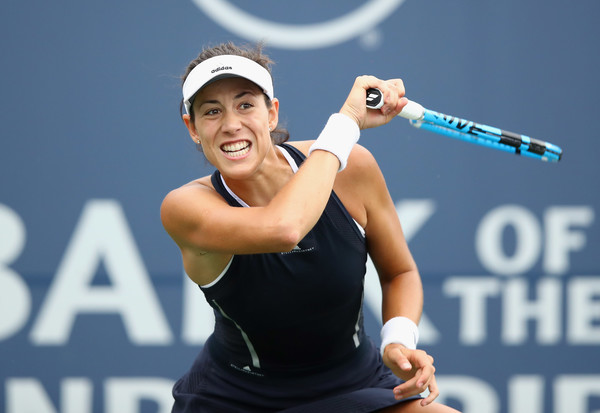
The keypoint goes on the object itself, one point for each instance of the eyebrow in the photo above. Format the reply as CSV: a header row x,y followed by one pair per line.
x,y
215,101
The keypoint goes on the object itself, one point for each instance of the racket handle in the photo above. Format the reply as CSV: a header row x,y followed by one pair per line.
x,y
412,110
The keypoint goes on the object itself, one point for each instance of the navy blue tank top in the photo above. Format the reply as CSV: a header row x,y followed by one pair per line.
x,y
291,312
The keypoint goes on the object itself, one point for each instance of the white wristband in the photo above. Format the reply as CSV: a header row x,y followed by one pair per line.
x,y
400,330
338,137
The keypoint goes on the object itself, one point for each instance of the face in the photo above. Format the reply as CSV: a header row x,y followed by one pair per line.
x,y
232,121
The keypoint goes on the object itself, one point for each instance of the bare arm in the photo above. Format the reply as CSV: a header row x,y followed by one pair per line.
x,y
396,268
196,217
401,285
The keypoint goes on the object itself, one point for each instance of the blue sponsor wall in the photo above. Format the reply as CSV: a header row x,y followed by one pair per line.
x,y
96,314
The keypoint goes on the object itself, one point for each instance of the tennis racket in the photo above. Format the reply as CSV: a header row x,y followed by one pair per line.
x,y
470,131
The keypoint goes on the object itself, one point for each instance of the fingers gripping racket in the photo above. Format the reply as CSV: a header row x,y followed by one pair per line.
x,y
470,131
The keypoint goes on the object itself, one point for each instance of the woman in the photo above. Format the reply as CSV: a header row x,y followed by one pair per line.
x,y
277,239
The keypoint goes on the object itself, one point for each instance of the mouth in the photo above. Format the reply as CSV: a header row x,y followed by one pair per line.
x,y
236,149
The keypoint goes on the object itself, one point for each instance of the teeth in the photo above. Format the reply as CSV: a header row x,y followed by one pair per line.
x,y
236,149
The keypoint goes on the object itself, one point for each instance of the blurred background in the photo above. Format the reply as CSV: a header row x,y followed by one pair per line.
x,y
96,314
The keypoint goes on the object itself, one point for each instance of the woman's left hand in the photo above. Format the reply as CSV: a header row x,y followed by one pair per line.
x,y
416,368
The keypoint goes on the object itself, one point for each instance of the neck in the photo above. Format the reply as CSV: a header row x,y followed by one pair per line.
x,y
262,187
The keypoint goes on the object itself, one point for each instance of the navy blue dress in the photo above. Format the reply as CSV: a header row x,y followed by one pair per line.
x,y
289,330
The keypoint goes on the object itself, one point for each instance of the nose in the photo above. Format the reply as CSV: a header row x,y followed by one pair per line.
x,y
231,122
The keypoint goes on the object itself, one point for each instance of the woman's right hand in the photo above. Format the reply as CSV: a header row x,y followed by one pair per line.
x,y
355,105
416,368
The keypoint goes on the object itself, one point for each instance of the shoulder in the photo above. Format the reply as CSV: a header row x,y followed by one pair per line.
x,y
361,185
361,160
184,213
362,169
195,188
362,175
180,206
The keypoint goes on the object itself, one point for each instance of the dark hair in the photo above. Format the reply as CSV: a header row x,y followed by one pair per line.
x,y
255,53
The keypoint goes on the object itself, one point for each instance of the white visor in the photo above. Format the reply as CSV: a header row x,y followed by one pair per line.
x,y
219,67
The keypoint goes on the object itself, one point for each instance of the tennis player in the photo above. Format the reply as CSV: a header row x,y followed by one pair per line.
x,y
277,239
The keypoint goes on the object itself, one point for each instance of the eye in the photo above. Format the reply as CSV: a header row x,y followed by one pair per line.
x,y
212,112
246,105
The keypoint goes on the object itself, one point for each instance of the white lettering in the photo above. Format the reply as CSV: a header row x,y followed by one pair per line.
x,y
15,298
518,310
125,394
27,395
474,395
521,308
473,293
12,235
526,394
560,239
572,393
584,311
413,214
198,317
490,235
102,234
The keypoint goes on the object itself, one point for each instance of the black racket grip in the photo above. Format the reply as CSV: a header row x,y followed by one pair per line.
x,y
374,98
